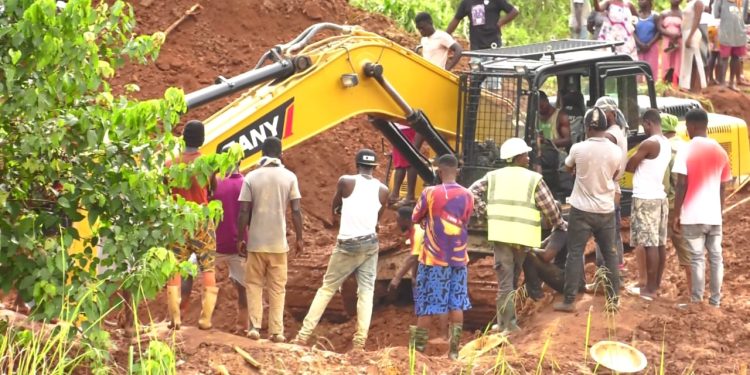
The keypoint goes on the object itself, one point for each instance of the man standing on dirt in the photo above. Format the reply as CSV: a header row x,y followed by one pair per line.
x,y
437,44
227,191
732,40
596,162
360,200
702,168
648,223
513,200
485,27
444,212
668,127
267,192
202,243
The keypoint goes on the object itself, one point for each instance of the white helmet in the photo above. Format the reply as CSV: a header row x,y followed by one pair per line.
x,y
513,147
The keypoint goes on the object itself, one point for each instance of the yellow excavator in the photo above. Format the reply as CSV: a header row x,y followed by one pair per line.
x,y
331,73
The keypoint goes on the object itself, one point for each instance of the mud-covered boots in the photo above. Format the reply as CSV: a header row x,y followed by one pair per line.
x,y
207,308
506,314
417,338
173,305
455,331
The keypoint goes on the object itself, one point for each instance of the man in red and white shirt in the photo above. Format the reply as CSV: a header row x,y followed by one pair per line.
x,y
702,168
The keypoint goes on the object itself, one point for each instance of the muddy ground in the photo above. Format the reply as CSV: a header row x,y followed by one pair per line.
x,y
226,38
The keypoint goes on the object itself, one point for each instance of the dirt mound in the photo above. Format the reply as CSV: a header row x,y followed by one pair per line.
x,y
728,102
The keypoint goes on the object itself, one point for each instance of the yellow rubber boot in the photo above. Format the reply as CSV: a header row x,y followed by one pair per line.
x,y
207,310
173,305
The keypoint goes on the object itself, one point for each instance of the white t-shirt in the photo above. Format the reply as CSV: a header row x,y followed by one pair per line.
x,y
436,46
585,11
706,165
596,160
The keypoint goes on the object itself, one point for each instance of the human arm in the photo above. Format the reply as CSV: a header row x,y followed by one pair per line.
x,y
420,210
460,14
337,201
679,199
456,51
563,130
243,220
479,190
511,13
546,203
647,149
657,20
297,221
452,26
570,161
383,196
600,7
408,264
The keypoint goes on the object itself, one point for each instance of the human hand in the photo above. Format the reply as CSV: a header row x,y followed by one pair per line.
x,y
242,248
300,247
393,285
676,225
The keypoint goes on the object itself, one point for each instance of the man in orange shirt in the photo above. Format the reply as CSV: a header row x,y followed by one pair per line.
x,y
202,242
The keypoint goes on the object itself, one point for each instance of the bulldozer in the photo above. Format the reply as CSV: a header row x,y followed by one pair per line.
x,y
330,73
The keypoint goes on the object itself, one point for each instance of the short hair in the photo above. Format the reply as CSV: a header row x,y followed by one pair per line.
x,y
543,95
423,17
697,116
447,160
194,133
271,147
596,119
405,212
652,115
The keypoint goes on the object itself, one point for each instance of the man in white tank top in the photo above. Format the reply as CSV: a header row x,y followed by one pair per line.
x,y
648,223
360,201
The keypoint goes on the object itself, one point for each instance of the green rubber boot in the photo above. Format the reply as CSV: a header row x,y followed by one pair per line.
x,y
418,338
455,331
506,314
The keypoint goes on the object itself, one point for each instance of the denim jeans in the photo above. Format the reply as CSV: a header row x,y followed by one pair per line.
x,y
702,238
581,226
618,242
360,258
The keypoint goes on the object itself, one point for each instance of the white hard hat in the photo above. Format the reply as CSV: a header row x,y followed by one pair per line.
x,y
513,147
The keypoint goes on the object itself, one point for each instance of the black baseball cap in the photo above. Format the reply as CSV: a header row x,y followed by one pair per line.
x,y
366,156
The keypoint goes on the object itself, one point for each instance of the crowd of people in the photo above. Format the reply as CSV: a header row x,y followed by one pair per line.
x,y
689,46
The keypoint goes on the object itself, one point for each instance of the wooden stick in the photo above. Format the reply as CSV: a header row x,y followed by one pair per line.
x,y
247,357
742,185
735,205
193,10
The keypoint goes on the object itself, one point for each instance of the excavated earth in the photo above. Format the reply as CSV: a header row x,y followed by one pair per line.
x,y
226,38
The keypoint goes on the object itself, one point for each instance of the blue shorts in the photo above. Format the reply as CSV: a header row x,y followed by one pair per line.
x,y
440,289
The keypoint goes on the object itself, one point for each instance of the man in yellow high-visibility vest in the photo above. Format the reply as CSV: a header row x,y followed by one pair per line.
x,y
513,200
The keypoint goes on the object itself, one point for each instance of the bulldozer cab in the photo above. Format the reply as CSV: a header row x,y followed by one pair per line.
x,y
500,98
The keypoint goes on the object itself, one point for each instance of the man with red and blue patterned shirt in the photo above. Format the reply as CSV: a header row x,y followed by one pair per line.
x,y
444,212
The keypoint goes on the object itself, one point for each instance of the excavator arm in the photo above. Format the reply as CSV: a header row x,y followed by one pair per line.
x,y
299,90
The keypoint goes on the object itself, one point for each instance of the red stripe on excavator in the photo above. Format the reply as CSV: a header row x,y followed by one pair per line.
x,y
289,121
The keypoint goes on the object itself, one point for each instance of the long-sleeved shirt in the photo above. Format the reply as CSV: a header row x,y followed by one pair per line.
x,y
543,198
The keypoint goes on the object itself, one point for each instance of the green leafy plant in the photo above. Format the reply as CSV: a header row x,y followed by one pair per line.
x,y
73,151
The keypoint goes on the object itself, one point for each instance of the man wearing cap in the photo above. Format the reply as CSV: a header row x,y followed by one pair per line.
x,y
266,194
648,223
360,201
596,162
513,200
668,127
202,242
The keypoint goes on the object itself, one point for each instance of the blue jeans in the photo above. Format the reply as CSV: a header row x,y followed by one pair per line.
x,y
360,258
702,238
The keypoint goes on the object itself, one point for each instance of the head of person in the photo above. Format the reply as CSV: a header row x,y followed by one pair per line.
x,y
696,121
644,4
609,106
676,3
423,22
447,168
366,161
271,147
595,122
652,122
194,134
544,105
404,218
669,124
515,151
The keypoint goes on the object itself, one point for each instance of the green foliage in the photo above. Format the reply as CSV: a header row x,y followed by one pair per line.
x,y
159,360
71,149
404,11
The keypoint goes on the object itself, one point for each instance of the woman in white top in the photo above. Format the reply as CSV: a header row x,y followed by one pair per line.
x,y
692,61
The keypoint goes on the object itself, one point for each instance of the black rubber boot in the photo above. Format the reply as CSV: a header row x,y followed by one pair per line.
x,y
418,338
455,331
